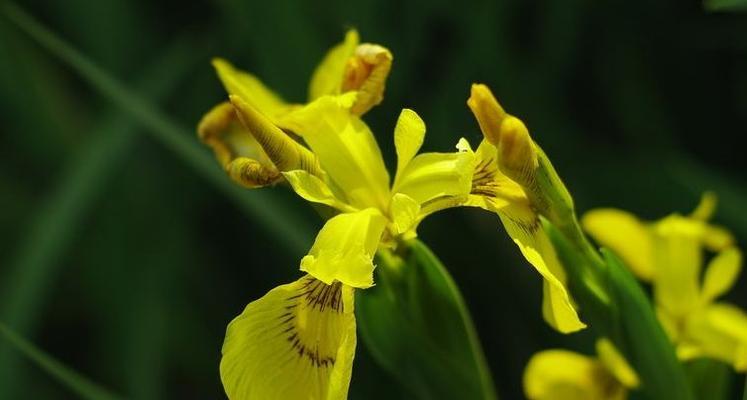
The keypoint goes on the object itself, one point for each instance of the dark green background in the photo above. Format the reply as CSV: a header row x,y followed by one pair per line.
x,y
640,106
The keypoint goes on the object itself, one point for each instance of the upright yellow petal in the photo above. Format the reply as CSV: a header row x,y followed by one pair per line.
x,y
706,208
328,76
404,212
295,343
616,363
408,137
721,274
347,151
678,257
251,89
557,307
624,234
344,249
720,331
565,375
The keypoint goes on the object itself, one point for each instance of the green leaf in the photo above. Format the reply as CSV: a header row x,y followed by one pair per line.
x,y
77,383
725,5
710,379
615,306
283,223
417,327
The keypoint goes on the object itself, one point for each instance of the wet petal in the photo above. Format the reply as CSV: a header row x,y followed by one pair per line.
x,y
344,249
626,235
296,343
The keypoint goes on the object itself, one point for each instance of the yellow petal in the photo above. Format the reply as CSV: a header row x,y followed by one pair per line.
x,y
344,249
624,234
491,189
720,331
286,154
404,212
314,189
365,74
408,137
706,208
432,176
295,343
611,358
235,148
251,89
347,151
557,307
328,76
678,257
721,274
517,156
565,375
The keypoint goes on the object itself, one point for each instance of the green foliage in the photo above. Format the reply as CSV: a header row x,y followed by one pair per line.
x,y
417,326
725,5
615,306
76,383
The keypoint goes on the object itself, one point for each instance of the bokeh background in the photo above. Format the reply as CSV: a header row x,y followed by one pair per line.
x,y
121,260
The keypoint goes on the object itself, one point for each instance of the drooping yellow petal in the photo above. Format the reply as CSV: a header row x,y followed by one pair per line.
x,y
624,234
251,89
404,212
720,331
678,257
565,375
614,362
408,137
557,306
344,248
314,189
235,148
347,151
721,274
295,343
329,74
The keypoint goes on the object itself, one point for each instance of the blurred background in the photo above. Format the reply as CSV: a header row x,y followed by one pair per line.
x,y
119,258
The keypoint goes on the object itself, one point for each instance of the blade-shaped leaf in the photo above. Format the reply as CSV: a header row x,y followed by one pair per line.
x,y
417,327
283,223
710,379
77,383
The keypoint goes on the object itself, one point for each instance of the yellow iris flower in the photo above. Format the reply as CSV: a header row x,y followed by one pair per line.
x,y
669,253
298,341
505,181
353,69
566,375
